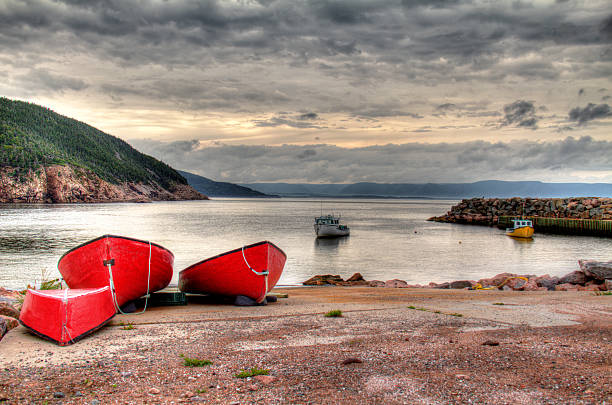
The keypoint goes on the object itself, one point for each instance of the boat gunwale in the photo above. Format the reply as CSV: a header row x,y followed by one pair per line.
x,y
115,237
190,267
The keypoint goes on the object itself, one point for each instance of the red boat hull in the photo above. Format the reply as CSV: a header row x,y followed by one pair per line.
x,y
83,266
65,316
229,273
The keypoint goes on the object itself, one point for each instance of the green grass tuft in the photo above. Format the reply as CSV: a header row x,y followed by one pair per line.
x,y
189,362
456,314
336,313
498,303
252,372
603,292
411,307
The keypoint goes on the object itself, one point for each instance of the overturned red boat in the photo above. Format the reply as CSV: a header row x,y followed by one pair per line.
x,y
251,271
131,267
65,316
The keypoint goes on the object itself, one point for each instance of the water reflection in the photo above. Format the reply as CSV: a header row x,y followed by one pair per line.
x,y
330,244
33,243
525,241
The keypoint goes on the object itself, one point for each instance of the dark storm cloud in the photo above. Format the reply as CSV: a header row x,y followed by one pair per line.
x,y
306,120
589,113
413,162
309,116
521,113
263,56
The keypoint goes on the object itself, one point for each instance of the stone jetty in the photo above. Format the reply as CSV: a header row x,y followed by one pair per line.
x,y
488,211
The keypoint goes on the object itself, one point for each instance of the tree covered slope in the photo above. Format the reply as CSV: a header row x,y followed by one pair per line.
x,y
32,136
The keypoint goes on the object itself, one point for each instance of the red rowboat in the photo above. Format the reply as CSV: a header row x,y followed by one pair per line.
x,y
251,271
133,267
65,316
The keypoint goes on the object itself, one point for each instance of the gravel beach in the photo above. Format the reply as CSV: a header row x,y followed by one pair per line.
x,y
397,345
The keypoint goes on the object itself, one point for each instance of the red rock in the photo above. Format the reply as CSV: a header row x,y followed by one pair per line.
x,y
547,282
566,287
608,285
575,277
376,283
324,280
597,270
532,285
597,284
460,284
8,310
395,283
351,360
355,277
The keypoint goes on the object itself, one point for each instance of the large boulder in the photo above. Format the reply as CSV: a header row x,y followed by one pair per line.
x,y
595,269
355,277
496,280
547,282
459,284
566,287
7,323
376,283
575,277
8,310
324,279
395,283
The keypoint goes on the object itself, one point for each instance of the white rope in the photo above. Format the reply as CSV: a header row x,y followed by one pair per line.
x,y
259,273
112,285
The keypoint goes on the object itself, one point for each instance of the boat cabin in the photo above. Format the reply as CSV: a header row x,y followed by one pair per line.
x,y
327,220
519,223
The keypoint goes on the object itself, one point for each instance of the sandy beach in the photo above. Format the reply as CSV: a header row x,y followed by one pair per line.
x,y
418,346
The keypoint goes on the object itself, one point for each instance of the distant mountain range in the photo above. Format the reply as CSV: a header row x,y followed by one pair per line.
x,y
489,189
213,188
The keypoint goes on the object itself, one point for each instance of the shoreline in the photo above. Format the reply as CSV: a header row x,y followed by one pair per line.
x,y
391,345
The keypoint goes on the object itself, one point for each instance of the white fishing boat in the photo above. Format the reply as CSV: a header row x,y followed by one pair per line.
x,y
328,226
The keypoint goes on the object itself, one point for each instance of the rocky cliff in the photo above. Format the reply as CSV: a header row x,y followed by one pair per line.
x,y
70,184
487,211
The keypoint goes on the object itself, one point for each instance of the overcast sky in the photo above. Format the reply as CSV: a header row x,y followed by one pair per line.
x,y
329,91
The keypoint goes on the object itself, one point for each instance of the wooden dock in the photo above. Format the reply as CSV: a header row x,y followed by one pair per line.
x,y
564,226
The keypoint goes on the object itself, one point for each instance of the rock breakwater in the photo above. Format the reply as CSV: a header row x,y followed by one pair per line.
x,y
488,211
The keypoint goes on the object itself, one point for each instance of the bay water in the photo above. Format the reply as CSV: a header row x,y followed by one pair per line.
x,y
389,238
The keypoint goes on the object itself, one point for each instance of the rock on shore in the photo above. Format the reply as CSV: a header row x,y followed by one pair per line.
x,y
68,184
10,305
487,211
592,276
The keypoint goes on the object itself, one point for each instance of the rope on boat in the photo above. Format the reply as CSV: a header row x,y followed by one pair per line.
x,y
109,263
259,273
479,286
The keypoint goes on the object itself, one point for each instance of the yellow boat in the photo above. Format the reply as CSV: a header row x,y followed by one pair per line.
x,y
522,228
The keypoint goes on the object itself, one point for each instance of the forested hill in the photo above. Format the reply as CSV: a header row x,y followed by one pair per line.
x,y
46,157
33,136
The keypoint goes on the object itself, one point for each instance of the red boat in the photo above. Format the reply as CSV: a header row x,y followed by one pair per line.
x,y
131,267
65,316
251,271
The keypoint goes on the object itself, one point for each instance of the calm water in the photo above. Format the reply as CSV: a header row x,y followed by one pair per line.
x,y
389,238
